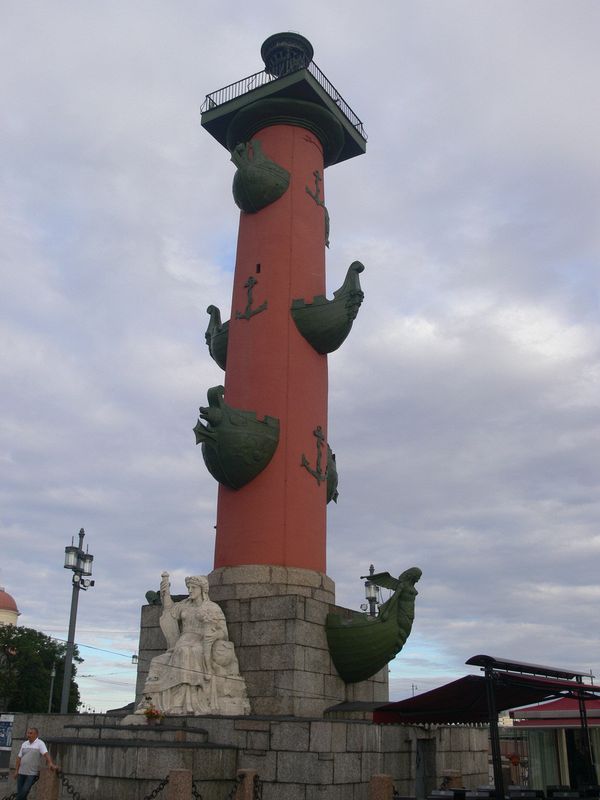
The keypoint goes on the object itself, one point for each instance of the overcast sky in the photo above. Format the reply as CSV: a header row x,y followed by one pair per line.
x,y
463,407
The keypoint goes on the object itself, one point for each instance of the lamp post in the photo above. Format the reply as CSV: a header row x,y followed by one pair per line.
x,y
371,592
80,563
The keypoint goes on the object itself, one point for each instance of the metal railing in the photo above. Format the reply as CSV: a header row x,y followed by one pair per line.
x,y
245,85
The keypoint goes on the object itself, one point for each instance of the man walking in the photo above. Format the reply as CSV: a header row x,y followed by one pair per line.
x,y
27,767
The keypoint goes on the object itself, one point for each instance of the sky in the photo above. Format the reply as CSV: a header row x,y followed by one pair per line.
x,y
464,406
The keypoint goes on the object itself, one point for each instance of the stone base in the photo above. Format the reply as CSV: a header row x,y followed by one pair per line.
x,y
296,759
276,620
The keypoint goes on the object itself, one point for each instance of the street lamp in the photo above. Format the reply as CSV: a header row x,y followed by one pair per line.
x,y
80,563
371,592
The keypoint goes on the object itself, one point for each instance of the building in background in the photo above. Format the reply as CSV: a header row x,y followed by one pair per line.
x,y
551,742
8,608
8,616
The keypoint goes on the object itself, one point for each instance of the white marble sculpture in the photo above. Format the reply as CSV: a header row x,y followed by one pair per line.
x,y
199,672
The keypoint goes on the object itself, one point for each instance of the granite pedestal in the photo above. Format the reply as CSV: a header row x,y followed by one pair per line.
x,y
276,619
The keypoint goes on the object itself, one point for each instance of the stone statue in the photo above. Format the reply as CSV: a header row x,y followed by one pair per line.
x,y
199,672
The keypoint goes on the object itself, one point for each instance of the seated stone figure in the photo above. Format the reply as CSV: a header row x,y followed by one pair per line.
x,y
199,673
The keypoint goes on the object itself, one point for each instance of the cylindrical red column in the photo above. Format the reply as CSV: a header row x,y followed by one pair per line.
x,y
279,517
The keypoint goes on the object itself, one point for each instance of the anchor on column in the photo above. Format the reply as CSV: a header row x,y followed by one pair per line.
x,y
316,196
317,473
330,475
249,311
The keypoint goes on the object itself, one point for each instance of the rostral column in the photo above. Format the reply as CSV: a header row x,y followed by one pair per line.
x,y
265,439
264,431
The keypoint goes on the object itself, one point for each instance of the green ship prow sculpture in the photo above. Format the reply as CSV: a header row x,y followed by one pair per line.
x,y
324,323
216,336
361,645
258,181
236,446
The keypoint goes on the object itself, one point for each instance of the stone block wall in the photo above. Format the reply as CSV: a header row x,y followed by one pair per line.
x,y
102,760
296,759
152,643
276,618
463,750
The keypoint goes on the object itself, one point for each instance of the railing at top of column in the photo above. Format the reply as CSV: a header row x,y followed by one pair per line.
x,y
262,78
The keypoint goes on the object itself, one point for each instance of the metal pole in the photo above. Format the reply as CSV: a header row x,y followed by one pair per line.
x,y
494,734
64,700
585,740
52,676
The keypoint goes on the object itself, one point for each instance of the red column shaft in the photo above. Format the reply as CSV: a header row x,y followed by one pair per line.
x,y
280,516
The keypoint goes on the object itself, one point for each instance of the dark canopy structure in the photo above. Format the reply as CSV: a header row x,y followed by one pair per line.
x,y
504,685
462,701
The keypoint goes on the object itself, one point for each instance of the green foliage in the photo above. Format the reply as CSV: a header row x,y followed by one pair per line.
x,y
26,659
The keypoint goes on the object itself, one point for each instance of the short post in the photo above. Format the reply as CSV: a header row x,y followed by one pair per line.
x,y
179,786
48,785
381,787
245,789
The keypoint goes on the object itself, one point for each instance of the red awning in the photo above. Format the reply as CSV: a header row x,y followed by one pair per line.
x,y
465,700
562,713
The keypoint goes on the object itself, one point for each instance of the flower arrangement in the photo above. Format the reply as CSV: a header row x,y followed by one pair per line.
x,y
152,713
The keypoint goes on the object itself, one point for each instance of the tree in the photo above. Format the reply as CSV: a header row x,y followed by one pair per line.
x,y
26,659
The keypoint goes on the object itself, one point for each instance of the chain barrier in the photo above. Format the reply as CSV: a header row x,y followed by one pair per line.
x,y
196,792
13,796
257,789
238,782
68,785
157,790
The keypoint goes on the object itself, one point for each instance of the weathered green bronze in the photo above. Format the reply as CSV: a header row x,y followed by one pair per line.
x,y
249,311
361,645
316,196
236,446
258,181
324,323
153,598
216,336
332,477
318,474
286,52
